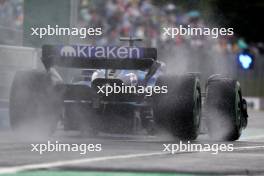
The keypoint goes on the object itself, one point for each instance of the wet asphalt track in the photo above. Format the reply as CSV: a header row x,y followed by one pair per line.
x,y
140,153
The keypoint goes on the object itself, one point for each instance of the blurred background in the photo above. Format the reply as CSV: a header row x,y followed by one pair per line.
x,y
239,56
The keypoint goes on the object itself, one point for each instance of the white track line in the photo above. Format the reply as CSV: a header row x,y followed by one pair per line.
x,y
15,169
252,137
249,147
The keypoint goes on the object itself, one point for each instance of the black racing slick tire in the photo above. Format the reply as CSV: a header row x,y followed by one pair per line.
x,y
223,109
180,109
35,105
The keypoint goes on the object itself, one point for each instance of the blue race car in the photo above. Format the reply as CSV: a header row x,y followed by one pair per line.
x,y
123,90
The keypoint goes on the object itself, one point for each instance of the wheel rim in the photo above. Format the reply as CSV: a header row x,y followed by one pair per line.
x,y
238,111
197,108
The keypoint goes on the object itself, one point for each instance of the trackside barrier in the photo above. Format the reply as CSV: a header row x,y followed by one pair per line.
x,y
255,103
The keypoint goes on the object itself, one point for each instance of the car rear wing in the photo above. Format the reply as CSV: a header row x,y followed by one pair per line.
x,y
98,57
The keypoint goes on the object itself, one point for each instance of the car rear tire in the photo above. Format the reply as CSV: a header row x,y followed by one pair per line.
x,y
35,105
180,109
223,109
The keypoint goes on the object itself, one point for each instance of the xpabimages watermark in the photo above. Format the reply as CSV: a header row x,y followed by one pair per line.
x,y
61,147
196,31
65,31
192,147
130,89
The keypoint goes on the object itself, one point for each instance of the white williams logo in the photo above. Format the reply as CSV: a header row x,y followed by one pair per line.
x,y
68,51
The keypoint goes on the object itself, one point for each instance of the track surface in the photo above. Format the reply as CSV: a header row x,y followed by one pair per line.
x,y
140,153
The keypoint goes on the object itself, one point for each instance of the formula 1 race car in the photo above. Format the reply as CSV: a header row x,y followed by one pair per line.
x,y
123,89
